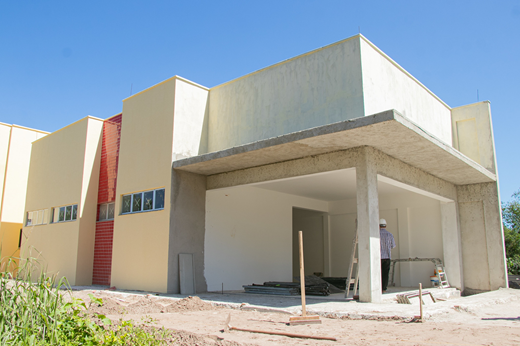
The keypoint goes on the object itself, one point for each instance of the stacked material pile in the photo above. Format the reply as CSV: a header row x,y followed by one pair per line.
x,y
314,286
274,287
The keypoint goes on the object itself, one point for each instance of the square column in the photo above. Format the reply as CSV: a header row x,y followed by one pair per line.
x,y
452,246
368,231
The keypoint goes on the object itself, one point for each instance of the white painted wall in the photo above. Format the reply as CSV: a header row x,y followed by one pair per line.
x,y
249,236
415,222
318,88
386,86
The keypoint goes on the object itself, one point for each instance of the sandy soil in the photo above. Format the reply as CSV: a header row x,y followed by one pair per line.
x,y
199,323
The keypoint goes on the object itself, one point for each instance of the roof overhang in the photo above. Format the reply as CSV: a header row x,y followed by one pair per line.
x,y
389,132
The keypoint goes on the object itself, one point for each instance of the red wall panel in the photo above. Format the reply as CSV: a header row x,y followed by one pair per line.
x,y
106,193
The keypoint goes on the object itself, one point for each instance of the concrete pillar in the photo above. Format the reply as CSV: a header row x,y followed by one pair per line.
x,y
187,227
482,237
452,246
368,230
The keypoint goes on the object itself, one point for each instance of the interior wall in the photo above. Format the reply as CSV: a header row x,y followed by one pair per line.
x,y
248,236
415,222
311,224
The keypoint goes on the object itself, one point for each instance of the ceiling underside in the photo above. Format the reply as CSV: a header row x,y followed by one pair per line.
x,y
389,132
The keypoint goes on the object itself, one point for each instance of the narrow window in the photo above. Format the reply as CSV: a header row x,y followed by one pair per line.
x,y
148,200
137,199
159,199
110,211
68,213
102,212
74,212
40,217
29,218
62,214
20,239
127,203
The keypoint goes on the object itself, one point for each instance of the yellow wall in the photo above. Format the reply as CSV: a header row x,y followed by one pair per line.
x,y
140,250
9,238
5,134
15,154
64,171
473,133
17,171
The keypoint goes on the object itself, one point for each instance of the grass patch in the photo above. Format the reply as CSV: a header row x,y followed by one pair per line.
x,y
34,311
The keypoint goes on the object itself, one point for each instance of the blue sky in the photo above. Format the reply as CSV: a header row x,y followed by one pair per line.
x,y
63,60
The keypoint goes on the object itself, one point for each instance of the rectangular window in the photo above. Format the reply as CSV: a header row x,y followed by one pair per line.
x,y
65,213
159,199
148,200
106,211
136,202
127,203
111,210
37,217
143,201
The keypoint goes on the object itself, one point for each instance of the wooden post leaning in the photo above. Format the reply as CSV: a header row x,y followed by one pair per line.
x,y
303,319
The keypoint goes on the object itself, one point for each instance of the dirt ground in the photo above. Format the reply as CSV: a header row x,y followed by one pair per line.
x,y
197,322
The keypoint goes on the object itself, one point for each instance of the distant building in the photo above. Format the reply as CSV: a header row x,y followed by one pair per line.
x,y
15,155
195,188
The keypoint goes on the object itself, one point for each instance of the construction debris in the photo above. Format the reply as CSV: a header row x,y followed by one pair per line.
x,y
228,327
408,298
288,288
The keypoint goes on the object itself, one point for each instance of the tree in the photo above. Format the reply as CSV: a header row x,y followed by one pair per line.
x,y
511,223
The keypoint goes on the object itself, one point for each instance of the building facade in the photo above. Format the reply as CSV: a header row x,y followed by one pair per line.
x,y
15,154
194,188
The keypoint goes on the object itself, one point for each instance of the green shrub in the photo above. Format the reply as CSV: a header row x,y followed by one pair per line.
x,y
35,313
513,265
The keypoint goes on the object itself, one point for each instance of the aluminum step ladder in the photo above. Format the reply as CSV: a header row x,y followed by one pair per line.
x,y
441,275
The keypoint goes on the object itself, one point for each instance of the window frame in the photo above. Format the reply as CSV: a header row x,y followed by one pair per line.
x,y
37,217
59,214
107,214
142,201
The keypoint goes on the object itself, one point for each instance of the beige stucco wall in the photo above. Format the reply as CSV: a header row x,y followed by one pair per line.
x,y
473,133
140,247
16,174
15,154
190,120
5,134
317,88
64,171
386,85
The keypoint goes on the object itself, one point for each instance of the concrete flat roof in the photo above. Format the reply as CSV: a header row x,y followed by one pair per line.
x,y
389,132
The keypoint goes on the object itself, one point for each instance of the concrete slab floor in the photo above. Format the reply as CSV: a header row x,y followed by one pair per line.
x,y
335,306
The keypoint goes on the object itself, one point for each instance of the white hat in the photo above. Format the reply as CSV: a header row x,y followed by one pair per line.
x,y
382,222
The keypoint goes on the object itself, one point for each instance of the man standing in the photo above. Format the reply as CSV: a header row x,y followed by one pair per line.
x,y
387,244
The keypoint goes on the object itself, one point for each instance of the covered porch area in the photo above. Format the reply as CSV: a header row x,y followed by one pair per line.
x,y
250,201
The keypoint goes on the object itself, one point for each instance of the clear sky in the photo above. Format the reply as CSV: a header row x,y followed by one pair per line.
x,y
63,60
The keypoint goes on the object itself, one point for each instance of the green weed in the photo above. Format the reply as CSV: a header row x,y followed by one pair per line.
x,y
34,312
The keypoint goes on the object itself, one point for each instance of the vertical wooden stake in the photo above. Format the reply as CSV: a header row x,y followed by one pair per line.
x,y
302,273
420,300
